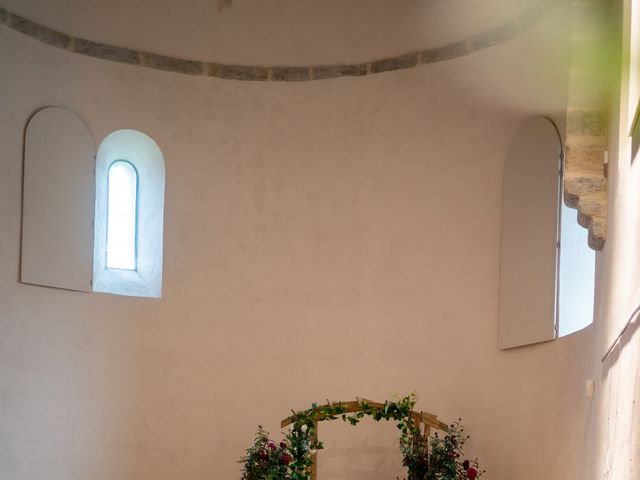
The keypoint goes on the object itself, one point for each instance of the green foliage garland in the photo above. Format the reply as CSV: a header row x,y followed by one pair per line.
x,y
292,458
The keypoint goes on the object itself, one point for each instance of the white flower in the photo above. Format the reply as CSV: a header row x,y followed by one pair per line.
x,y
303,428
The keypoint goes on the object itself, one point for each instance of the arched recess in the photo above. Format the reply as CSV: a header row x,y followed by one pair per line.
x,y
144,277
547,271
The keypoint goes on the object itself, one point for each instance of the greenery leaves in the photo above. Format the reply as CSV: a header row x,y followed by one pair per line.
x,y
426,458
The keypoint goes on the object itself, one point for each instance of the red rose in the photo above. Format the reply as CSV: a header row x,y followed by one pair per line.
x,y
286,459
472,473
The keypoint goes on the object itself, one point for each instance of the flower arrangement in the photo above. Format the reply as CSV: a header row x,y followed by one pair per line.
x,y
266,460
445,459
426,458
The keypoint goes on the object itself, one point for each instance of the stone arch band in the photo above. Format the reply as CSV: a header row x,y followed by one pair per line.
x,y
155,61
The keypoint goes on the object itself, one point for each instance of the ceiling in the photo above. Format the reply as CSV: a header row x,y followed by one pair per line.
x,y
272,32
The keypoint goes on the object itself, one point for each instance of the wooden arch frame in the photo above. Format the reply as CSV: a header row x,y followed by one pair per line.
x,y
424,421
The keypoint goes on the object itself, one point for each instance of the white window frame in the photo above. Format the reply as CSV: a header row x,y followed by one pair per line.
x,y
144,154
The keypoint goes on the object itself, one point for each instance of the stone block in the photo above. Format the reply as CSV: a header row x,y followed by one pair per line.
x,y
593,205
582,185
212,69
586,122
290,74
336,71
584,159
570,199
397,63
106,52
172,64
446,52
597,232
38,32
241,72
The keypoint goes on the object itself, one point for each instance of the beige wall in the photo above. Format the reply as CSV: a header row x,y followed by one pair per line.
x,y
322,240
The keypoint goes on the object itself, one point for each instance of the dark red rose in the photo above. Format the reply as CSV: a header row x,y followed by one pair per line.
x,y
285,458
472,473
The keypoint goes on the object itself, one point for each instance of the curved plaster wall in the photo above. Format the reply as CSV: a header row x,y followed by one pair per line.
x,y
322,239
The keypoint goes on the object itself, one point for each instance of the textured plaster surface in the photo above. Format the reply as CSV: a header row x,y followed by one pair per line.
x,y
322,240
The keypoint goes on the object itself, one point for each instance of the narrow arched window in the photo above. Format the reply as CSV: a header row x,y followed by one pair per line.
x,y
122,215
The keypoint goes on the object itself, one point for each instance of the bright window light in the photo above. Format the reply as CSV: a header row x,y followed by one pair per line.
x,y
121,216
577,276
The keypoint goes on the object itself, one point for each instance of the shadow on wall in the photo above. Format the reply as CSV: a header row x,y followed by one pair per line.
x,y
612,356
